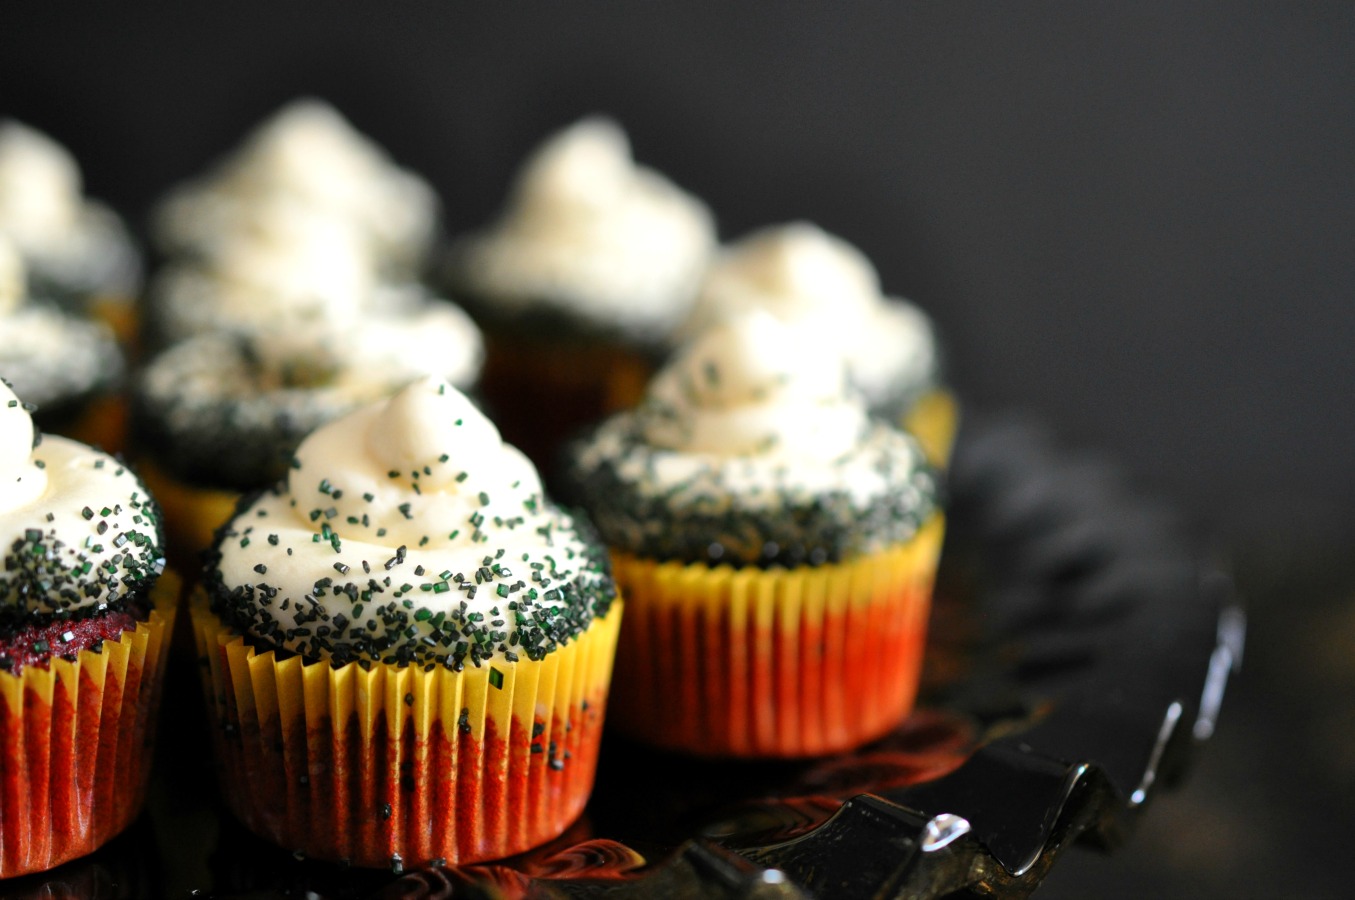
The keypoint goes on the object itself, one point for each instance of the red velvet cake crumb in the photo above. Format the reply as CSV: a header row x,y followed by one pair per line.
x,y
37,645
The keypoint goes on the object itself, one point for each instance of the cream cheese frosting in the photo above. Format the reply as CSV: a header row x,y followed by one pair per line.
x,y
752,445
309,155
408,532
590,234
285,267
79,531
49,356
69,243
799,272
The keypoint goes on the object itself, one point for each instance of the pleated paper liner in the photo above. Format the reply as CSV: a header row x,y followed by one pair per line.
x,y
192,514
397,766
934,420
76,741
772,662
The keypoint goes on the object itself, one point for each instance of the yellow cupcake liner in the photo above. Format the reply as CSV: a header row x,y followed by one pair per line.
x,y
76,740
397,765
772,662
934,420
191,514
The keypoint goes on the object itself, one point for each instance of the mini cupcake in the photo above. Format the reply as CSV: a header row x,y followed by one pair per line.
x,y
580,282
776,546
85,614
222,413
76,251
406,646
67,365
309,156
800,273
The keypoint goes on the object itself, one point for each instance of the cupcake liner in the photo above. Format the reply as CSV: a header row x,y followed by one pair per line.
x,y
76,740
398,766
934,420
101,422
191,514
772,662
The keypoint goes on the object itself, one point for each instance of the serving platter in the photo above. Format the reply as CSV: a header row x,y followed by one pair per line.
x,y
1079,653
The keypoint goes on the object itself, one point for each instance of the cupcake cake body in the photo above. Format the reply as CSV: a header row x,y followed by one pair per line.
x,y
800,273
85,611
77,253
776,546
581,280
427,637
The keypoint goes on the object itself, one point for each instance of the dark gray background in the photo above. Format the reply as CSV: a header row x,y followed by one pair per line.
x,y
1133,221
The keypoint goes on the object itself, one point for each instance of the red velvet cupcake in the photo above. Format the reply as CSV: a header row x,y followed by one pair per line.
x,y
85,614
406,646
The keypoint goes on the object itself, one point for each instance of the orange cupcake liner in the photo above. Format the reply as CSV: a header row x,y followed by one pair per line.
x,y
75,743
934,420
398,766
772,662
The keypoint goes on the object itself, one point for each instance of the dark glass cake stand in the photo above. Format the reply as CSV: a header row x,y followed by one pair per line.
x,y
1079,654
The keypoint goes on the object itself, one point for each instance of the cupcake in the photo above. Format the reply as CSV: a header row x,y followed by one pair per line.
x,y
306,155
800,273
776,546
66,365
221,413
85,614
407,647
580,282
77,253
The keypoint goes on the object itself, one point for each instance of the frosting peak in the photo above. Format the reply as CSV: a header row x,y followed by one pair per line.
x,y
40,186
589,232
754,385
414,534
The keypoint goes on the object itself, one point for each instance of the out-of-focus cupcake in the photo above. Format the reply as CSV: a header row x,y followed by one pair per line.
x,y
77,253
221,413
308,155
775,544
580,282
800,273
85,616
406,645
65,364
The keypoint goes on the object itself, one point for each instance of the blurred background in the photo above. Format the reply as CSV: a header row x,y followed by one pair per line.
x,y
1134,223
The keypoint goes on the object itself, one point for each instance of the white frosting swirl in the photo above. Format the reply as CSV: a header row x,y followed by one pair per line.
x,y
285,267
589,233
307,154
78,530
416,499
798,272
754,386
69,243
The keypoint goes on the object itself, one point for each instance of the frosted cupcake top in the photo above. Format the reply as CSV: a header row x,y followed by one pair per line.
x,y
286,266
49,356
408,532
751,447
309,155
800,273
79,531
261,392
70,244
590,235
